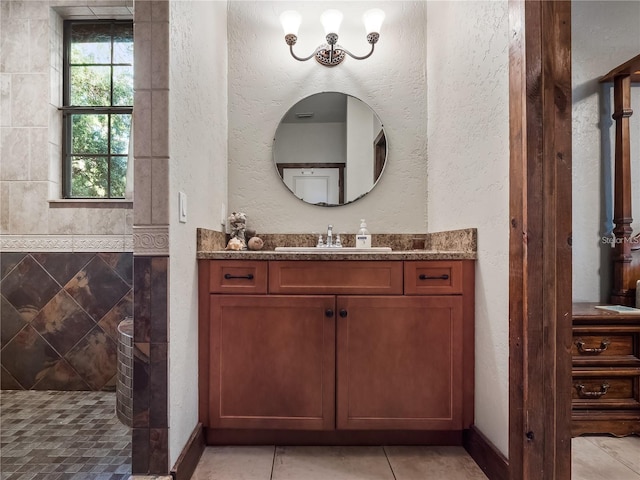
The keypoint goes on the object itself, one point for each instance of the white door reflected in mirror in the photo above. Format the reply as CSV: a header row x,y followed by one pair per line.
x,y
313,186
330,149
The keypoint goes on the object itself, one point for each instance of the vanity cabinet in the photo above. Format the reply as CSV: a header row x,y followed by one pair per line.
x,y
335,346
399,363
273,362
606,372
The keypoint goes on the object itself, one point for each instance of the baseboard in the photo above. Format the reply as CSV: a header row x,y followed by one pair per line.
x,y
492,462
190,455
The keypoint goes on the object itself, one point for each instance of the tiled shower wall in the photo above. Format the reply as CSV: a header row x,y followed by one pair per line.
x,y
59,314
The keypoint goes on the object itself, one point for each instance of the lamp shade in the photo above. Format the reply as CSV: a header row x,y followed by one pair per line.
x,y
290,22
331,20
373,20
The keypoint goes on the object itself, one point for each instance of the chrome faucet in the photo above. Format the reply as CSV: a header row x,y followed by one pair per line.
x,y
329,242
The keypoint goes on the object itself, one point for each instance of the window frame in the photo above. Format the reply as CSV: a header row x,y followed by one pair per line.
x,y
68,111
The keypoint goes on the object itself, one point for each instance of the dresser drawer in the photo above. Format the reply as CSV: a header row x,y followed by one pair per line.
x,y
600,389
238,276
335,277
433,278
605,346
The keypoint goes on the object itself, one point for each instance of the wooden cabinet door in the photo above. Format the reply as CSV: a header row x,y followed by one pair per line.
x,y
399,363
272,362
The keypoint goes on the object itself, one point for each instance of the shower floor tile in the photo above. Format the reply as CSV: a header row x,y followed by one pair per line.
x,y
62,436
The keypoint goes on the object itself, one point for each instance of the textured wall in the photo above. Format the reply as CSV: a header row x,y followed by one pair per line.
x,y
468,140
604,35
265,81
198,167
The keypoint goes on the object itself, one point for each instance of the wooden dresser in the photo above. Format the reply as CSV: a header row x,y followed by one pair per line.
x,y
606,372
336,352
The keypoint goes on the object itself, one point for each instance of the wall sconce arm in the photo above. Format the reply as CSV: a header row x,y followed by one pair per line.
x,y
372,38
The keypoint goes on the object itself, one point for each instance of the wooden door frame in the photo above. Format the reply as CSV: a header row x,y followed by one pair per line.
x,y
540,240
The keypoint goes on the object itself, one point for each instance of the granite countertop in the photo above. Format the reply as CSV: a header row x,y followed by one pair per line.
x,y
449,245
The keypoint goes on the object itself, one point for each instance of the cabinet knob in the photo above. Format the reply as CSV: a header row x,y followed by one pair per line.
x,y
328,313
343,313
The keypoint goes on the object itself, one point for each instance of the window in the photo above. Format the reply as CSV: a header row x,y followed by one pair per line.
x,y
98,106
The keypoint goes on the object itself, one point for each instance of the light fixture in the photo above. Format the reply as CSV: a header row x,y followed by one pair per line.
x,y
331,54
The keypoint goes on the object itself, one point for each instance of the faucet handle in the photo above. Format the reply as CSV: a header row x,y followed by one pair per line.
x,y
320,242
337,243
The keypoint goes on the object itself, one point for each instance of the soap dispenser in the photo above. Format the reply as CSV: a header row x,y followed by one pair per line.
x,y
363,237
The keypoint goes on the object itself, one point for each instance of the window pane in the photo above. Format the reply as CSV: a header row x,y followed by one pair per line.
x,y
91,86
99,72
91,43
118,176
123,86
89,177
123,43
120,130
89,134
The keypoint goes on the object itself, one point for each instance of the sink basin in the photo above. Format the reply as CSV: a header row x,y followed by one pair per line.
x,y
333,249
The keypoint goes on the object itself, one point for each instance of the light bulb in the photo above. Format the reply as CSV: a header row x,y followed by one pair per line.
x,y
373,20
331,20
290,22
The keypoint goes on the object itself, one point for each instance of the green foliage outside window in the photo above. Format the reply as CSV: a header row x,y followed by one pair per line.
x,y
99,100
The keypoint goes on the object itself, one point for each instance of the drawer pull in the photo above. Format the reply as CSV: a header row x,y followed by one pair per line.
x,y
430,277
592,351
228,276
328,313
582,393
343,313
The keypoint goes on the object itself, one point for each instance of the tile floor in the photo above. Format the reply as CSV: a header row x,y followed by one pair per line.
x,y
336,463
593,458
603,457
76,435
62,436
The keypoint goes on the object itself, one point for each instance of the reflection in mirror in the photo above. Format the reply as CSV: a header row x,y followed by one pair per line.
x,y
330,149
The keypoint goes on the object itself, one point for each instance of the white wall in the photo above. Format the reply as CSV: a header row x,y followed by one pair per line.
x,y
468,172
360,137
197,167
265,81
305,143
604,35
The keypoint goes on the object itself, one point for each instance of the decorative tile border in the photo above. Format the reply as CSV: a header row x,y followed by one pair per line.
x,y
151,240
66,243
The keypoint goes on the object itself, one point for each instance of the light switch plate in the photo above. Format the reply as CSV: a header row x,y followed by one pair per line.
x,y
182,207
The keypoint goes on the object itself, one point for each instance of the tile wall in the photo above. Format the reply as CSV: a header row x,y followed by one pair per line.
x,y
59,315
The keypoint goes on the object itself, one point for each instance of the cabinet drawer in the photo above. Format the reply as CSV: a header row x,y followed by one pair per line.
x,y
237,276
433,278
604,347
336,277
616,389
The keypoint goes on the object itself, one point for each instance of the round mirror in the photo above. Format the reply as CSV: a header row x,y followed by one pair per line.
x,y
330,149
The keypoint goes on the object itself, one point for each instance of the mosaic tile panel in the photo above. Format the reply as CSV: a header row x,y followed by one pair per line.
x,y
59,314
62,436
